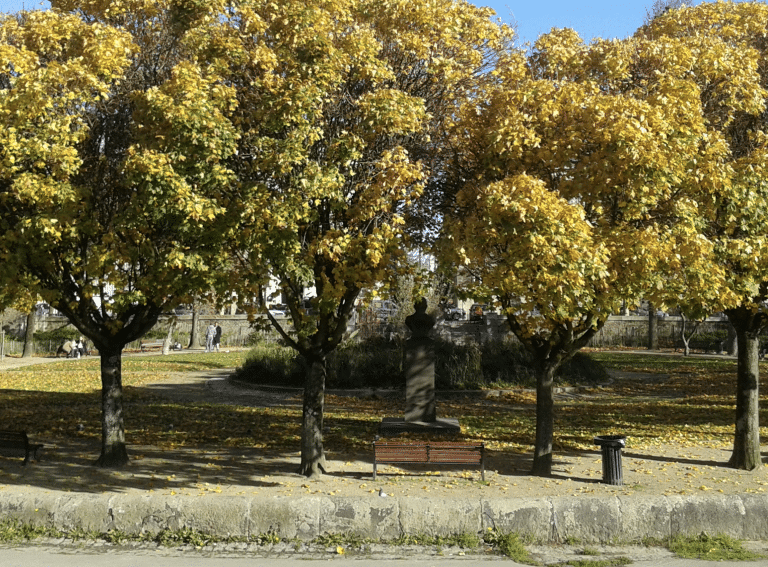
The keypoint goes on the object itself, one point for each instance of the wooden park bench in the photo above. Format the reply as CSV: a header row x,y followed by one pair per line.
x,y
425,452
151,345
16,443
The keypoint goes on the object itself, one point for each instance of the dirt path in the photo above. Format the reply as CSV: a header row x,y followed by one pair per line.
x,y
10,362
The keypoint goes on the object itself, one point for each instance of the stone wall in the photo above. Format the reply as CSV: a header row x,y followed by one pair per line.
x,y
235,329
620,331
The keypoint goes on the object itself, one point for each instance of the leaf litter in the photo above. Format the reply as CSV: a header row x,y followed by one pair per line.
x,y
194,436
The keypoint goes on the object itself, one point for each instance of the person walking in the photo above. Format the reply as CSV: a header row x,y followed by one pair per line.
x,y
210,334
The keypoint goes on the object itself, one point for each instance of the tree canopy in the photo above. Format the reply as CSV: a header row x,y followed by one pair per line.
x,y
113,186
585,173
154,151
727,46
343,108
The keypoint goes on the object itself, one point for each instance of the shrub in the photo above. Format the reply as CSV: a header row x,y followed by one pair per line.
x,y
582,369
58,335
708,342
270,363
458,367
377,363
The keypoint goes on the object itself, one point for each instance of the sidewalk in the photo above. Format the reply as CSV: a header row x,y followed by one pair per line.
x,y
62,554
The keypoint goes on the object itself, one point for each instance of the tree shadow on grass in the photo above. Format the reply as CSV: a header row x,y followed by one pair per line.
x,y
68,466
189,436
172,446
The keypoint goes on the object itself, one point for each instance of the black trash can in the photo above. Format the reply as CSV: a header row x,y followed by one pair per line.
x,y
612,446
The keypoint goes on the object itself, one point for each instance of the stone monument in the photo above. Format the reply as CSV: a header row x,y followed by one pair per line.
x,y
419,366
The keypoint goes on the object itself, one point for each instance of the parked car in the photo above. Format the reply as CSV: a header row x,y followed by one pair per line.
x,y
453,313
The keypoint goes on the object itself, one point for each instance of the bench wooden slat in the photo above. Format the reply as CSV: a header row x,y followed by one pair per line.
x,y
149,345
418,452
456,456
442,452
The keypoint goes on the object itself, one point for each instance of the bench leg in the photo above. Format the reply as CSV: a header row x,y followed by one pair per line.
x,y
374,470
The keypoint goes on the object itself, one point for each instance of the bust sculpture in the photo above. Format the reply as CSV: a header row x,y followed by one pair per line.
x,y
420,323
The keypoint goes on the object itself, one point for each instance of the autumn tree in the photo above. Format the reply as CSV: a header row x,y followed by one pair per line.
x,y
572,165
342,110
113,187
728,48
661,7
20,298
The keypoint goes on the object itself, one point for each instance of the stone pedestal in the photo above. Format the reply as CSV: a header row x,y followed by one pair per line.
x,y
420,380
394,426
419,363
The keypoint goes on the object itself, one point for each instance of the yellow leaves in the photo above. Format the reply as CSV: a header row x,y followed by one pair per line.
x,y
391,111
556,54
634,134
531,245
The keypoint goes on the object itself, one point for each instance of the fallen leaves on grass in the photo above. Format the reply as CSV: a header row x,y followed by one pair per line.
x,y
690,405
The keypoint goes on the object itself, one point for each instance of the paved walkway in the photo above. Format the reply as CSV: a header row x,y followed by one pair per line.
x,y
57,554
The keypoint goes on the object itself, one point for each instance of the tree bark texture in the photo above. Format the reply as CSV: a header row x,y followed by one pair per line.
x,y
113,450
653,328
193,342
685,336
746,441
549,352
29,336
545,420
312,453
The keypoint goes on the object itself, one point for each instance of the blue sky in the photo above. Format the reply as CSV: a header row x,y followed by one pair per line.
x,y
591,18
16,5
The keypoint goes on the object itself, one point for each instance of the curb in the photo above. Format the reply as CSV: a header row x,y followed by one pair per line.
x,y
550,520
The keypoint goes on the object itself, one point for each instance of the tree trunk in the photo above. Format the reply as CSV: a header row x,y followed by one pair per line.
x,y
113,450
686,338
312,453
545,420
193,342
653,329
29,336
168,338
746,442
